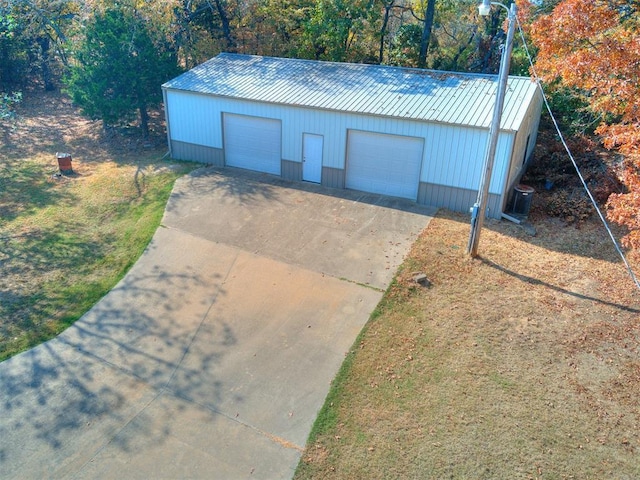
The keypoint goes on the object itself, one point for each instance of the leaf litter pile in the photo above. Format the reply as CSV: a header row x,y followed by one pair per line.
x,y
523,363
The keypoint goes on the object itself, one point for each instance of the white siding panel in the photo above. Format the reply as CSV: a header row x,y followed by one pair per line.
x,y
525,141
194,119
454,156
502,163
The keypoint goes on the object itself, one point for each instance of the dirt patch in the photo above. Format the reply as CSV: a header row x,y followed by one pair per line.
x,y
48,122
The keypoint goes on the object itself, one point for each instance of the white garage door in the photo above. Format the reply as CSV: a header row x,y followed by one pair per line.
x,y
385,164
252,143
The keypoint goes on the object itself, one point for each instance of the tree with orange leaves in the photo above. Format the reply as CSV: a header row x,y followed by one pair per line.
x,y
594,46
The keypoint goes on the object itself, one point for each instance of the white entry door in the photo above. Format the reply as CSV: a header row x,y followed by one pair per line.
x,y
312,157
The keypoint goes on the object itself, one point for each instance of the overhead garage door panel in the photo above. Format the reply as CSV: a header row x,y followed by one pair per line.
x,y
253,143
385,164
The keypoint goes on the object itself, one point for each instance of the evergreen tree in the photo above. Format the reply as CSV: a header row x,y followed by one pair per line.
x,y
119,68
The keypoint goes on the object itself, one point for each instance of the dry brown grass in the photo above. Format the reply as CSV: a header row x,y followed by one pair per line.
x,y
523,363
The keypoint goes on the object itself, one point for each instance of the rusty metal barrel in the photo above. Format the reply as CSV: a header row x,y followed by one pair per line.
x,y
64,163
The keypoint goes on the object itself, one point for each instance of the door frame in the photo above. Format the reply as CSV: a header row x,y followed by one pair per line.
x,y
312,167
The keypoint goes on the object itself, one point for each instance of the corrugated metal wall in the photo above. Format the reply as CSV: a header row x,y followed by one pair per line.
x,y
456,199
453,155
524,145
197,153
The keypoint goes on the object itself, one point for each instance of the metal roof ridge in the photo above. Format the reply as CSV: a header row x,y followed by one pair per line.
x,y
414,70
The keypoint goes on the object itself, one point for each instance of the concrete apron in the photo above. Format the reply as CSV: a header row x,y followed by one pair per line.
x,y
212,357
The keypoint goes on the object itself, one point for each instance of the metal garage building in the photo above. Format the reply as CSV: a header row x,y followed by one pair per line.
x,y
409,133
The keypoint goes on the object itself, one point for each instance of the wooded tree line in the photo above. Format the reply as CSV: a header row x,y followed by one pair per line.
x,y
48,41
42,35
111,56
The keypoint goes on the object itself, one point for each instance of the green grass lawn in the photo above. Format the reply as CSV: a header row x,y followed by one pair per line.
x,y
65,241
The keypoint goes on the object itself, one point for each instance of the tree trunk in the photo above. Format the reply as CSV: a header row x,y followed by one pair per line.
x,y
426,33
45,47
496,34
144,120
226,26
383,30
460,51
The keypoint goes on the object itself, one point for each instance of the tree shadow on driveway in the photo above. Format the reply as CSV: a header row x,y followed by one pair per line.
x,y
66,400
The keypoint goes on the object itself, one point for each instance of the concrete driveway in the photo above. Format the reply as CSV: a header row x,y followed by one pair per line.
x,y
212,357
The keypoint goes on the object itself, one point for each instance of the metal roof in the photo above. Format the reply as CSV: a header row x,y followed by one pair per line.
x,y
406,93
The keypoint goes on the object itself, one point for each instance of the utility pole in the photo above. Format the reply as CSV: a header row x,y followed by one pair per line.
x,y
479,210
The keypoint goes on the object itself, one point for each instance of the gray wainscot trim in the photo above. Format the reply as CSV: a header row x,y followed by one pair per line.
x,y
197,153
291,170
456,199
333,177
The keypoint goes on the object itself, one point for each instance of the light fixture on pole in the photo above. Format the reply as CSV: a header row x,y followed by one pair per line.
x,y
479,210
